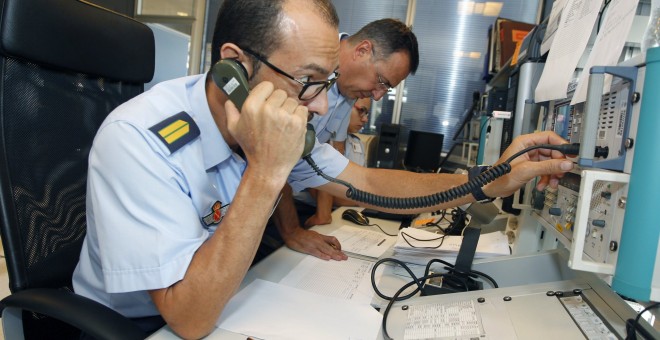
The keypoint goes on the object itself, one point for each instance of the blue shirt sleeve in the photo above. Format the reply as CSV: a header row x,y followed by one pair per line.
x,y
144,212
329,160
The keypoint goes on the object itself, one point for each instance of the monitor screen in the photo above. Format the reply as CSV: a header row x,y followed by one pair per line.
x,y
423,151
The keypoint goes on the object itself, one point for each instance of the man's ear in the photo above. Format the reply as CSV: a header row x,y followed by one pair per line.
x,y
232,51
363,49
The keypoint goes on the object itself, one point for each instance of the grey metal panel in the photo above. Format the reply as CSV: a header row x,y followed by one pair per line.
x,y
529,76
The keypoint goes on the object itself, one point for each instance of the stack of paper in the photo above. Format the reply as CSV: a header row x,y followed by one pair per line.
x,y
268,310
419,246
365,243
350,279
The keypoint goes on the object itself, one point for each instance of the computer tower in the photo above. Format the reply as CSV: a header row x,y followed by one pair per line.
x,y
389,148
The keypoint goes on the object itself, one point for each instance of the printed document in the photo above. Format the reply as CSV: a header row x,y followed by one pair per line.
x,y
350,279
553,24
272,311
568,45
609,43
362,241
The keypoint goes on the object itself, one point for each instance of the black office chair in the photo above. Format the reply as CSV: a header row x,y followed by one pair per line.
x,y
65,65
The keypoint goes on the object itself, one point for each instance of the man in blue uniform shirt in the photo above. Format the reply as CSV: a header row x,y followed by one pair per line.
x,y
181,184
322,205
373,60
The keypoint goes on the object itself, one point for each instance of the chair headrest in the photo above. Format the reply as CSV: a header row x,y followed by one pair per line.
x,y
79,37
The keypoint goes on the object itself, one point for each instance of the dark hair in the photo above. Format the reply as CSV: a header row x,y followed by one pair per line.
x,y
389,36
255,24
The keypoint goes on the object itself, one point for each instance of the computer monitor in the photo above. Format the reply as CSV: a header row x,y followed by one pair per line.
x,y
423,151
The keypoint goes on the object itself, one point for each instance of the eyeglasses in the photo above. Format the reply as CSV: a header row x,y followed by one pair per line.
x,y
381,85
362,111
310,89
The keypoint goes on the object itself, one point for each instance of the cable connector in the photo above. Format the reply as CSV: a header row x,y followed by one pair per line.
x,y
569,149
602,151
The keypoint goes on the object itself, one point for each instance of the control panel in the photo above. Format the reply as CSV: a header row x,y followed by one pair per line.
x,y
612,136
604,220
586,211
560,206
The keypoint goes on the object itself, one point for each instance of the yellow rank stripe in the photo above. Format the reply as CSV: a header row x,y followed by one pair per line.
x,y
174,131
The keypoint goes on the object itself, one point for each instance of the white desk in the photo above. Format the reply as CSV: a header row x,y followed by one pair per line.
x,y
524,278
277,265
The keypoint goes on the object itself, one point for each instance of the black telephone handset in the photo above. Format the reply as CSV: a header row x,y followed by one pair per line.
x,y
231,77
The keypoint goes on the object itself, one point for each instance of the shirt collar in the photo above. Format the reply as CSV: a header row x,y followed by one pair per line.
x,y
214,147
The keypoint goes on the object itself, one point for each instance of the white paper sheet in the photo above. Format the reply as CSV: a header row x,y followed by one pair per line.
x,y
272,311
423,249
362,241
609,43
495,243
571,38
553,24
350,279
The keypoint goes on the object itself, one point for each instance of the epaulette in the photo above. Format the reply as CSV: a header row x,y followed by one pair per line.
x,y
176,131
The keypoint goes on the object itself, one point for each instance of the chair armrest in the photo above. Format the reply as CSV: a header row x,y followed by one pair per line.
x,y
85,314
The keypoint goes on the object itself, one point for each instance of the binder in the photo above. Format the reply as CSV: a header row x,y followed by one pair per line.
x,y
503,38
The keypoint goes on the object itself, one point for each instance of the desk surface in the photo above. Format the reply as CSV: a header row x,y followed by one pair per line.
x,y
526,279
275,267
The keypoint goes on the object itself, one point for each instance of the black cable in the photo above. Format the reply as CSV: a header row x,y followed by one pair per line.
x,y
632,327
464,189
420,284
381,229
482,274
452,277
600,14
441,238
432,261
442,217
417,202
444,213
566,149
458,222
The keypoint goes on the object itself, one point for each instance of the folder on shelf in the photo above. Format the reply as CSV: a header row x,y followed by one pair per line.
x,y
504,36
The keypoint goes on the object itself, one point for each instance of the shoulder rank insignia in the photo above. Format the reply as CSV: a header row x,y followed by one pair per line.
x,y
176,131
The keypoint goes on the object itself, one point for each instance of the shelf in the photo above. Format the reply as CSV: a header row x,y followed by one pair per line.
x,y
501,78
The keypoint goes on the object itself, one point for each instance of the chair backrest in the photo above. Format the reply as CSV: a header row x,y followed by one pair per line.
x,y
65,65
